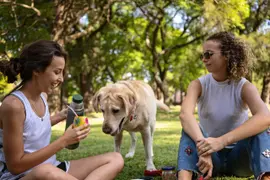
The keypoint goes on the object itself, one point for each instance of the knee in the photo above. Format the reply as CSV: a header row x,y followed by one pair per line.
x,y
42,170
117,160
46,171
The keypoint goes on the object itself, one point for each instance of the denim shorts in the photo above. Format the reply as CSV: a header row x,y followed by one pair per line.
x,y
247,157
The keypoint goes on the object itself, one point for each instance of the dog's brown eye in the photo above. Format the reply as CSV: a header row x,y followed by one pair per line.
x,y
115,110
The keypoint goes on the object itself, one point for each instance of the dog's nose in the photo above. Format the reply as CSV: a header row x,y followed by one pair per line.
x,y
106,129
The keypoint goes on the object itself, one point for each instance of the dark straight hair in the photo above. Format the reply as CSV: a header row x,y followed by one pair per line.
x,y
36,56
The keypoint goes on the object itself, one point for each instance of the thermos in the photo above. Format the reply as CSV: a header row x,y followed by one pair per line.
x,y
77,106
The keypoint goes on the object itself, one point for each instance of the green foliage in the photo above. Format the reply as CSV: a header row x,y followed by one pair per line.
x,y
186,67
122,51
223,14
139,39
260,44
4,87
20,25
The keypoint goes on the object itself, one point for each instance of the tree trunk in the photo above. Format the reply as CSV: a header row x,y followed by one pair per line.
x,y
64,95
163,88
86,91
67,15
266,88
55,98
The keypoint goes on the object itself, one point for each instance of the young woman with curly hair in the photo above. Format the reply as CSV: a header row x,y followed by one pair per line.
x,y
26,152
226,141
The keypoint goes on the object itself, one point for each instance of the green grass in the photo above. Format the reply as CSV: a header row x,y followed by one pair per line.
x,y
166,141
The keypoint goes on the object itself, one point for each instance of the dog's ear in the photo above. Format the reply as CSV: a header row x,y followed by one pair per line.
x,y
129,101
96,100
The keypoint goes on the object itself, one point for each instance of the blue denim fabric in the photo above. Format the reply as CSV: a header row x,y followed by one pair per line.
x,y
245,159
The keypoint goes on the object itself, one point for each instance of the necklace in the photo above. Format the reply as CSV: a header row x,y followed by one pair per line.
x,y
35,110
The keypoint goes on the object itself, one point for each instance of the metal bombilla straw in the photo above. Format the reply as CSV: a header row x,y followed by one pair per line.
x,y
72,110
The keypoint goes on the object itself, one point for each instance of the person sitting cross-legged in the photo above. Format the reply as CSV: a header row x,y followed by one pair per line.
x,y
225,141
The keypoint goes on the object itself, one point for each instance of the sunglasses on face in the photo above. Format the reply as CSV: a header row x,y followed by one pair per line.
x,y
206,55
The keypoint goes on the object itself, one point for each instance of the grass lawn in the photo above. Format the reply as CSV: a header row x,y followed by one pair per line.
x,y
166,141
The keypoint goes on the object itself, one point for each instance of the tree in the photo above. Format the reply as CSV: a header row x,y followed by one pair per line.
x,y
258,36
154,22
261,46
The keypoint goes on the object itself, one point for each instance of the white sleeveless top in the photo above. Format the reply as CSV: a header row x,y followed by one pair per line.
x,y
220,106
36,135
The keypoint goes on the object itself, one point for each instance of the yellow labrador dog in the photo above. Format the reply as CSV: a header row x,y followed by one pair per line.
x,y
130,106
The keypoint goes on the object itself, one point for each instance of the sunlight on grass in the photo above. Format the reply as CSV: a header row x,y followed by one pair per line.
x,y
166,142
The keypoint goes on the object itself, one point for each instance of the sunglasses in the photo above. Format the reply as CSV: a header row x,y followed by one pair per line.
x,y
206,55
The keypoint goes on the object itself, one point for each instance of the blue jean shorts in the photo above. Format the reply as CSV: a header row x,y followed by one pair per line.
x,y
248,157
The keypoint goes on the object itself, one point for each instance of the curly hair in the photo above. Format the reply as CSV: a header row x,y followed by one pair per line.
x,y
238,55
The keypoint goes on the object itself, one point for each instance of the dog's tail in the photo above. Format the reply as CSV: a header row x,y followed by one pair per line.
x,y
162,106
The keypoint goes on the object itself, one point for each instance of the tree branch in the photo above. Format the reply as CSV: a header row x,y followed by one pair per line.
x,y
147,38
13,3
178,46
186,26
90,29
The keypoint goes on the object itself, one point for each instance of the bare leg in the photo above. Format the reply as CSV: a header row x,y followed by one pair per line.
x,y
47,172
184,175
100,167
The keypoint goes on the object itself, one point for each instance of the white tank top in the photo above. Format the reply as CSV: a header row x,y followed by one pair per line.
x,y
220,106
36,135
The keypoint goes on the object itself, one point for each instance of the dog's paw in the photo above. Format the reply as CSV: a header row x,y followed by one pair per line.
x,y
129,155
150,167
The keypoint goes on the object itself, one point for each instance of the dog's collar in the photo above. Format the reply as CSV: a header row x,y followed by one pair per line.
x,y
133,116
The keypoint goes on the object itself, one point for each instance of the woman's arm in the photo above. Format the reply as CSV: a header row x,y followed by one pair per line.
x,y
188,120
13,124
191,126
58,117
259,121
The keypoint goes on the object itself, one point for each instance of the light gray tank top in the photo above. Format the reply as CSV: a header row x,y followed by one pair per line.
x,y
220,106
36,135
